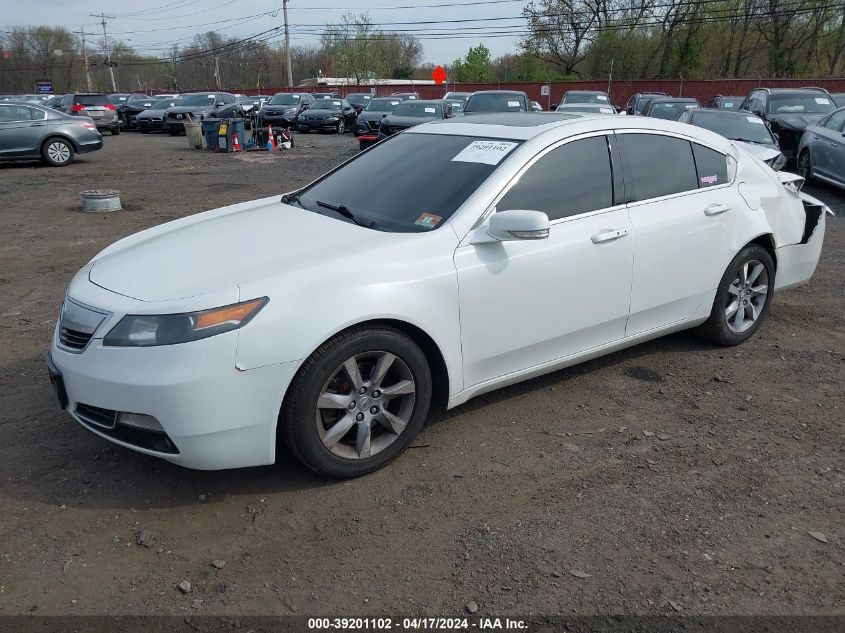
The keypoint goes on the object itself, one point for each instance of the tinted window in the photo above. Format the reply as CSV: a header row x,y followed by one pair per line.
x,y
585,97
382,105
836,120
712,166
738,127
659,165
495,103
9,113
815,103
92,100
420,183
574,178
284,99
418,109
671,109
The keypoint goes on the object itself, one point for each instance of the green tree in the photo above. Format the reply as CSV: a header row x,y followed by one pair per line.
x,y
475,67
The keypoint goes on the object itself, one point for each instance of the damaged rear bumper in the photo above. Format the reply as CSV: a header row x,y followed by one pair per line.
x,y
796,263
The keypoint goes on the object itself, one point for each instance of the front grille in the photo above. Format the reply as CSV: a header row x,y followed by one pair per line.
x,y
74,339
374,125
77,324
95,417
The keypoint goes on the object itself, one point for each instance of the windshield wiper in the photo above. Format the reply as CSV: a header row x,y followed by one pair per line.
x,y
292,198
345,212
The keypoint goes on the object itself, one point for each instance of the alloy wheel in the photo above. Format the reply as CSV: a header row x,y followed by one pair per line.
x,y
365,405
747,296
340,127
804,165
58,152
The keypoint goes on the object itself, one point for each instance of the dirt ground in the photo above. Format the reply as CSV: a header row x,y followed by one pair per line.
x,y
675,477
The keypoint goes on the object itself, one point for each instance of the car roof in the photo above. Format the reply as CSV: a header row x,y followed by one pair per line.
x,y
498,92
674,99
775,91
594,106
426,101
589,92
718,112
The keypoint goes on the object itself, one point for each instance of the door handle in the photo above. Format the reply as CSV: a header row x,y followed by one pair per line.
x,y
608,235
716,209
37,124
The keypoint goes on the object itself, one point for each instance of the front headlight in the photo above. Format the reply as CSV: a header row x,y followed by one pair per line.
x,y
143,330
290,112
331,119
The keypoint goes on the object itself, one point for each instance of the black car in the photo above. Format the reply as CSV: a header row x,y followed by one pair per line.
x,y
152,119
368,121
789,111
839,99
638,100
668,107
721,102
497,101
326,95
129,110
598,97
406,96
197,106
359,100
410,113
463,97
327,115
283,108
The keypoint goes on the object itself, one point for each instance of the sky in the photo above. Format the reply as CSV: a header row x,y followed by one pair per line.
x,y
153,26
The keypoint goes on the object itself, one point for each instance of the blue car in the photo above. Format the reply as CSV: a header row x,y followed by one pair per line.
x,y
821,153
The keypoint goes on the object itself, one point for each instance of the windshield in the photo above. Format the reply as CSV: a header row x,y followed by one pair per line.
x,y
672,109
586,107
732,103
457,106
197,100
382,105
404,170
418,109
495,103
327,104
800,104
163,104
358,99
285,99
140,100
735,127
643,101
585,97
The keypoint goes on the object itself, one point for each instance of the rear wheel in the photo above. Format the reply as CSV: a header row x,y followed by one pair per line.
x,y
742,299
115,131
805,165
57,152
356,402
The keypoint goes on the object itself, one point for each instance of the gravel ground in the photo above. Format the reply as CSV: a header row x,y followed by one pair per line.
x,y
672,477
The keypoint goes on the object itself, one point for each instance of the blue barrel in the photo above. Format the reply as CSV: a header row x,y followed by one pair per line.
x,y
209,130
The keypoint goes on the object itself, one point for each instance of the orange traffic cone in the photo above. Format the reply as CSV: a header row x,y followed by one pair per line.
x,y
235,145
271,144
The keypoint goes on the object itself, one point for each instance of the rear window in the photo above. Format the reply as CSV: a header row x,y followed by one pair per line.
x,y
660,165
495,103
91,100
712,166
817,103
418,109
582,97
738,127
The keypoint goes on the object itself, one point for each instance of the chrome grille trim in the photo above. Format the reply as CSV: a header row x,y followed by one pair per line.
x,y
77,325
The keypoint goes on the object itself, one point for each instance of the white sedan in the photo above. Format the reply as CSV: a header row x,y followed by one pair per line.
x,y
461,256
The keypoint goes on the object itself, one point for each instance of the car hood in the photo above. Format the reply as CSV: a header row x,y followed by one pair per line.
x,y
405,121
795,122
150,112
218,249
763,152
280,108
372,115
323,113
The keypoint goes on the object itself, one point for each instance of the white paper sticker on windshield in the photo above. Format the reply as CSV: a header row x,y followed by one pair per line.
x,y
754,119
729,104
606,110
822,101
211,96
690,105
487,152
430,110
513,104
601,97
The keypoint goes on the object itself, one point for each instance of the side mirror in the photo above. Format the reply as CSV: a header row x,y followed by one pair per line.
x,y
514,224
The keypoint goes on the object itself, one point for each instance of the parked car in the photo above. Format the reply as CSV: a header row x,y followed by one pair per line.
x,y
668,107
457,96
745,128
30,131
598,97
206,340
406,96
838,99
326,95
129,110
821,152
638,100
536,107
359,100
457,105
789,111
250,105
589,108
197,106
96,106
368,121
118,98
410,113
327,115
54,101
152,119
721,102
497,101
283,108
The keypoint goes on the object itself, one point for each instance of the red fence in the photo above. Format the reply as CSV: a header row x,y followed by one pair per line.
x,y
620,91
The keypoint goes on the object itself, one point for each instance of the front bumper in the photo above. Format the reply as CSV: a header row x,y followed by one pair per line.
x,y
277,119
150,124
317,125
213,415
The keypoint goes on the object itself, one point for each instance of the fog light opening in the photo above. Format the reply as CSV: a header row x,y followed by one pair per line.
x,y
139,421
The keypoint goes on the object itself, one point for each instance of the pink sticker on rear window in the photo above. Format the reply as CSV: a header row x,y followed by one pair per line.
x,y
709,180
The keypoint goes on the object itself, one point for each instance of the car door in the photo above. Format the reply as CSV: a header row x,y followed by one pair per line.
x,y
827,146
683,209
20,135
524,303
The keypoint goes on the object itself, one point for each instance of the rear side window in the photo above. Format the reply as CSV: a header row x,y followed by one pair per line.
x,y
11,113
659,165
712,166
836,120
92,100
572,179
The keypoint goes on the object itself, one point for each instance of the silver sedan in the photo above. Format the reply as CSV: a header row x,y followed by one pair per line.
x,y
821,153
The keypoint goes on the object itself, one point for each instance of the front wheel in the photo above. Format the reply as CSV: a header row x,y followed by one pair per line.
x,y
742,298
341,127
356,402
805,165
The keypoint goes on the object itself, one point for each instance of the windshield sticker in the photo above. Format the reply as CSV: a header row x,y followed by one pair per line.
x,y
513,104
822,101
428,220
430,110
709,180
690,105
729,104
601,97
487,152
210,96
754,119
606,110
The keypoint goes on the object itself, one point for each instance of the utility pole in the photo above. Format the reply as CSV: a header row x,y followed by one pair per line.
x,y
217,72
82,34
287,43
103,17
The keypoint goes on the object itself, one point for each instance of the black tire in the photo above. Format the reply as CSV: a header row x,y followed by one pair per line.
x,y
142,131
804,165
57,152
341,127
716,328
173,132
297,419
115,131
